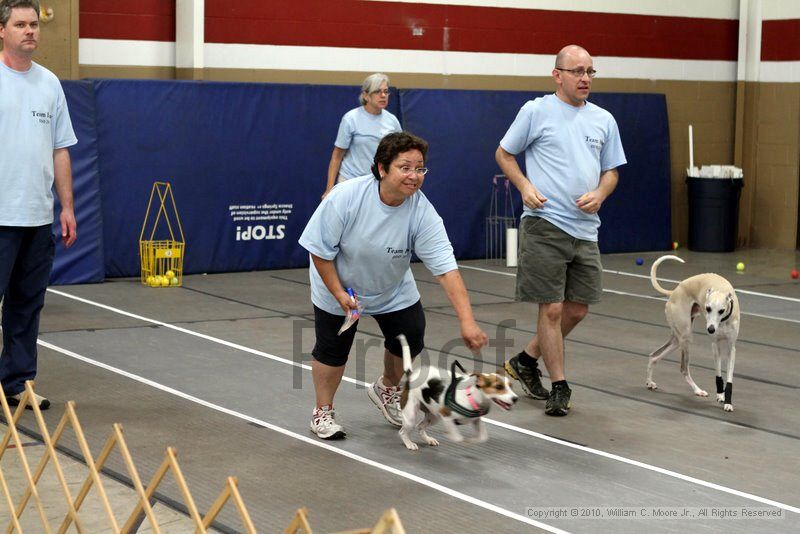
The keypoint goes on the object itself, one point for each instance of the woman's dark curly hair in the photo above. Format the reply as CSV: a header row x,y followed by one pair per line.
x,y
394,144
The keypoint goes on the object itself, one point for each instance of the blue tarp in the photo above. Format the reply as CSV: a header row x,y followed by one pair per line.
x,y
464,129
83,261
248,163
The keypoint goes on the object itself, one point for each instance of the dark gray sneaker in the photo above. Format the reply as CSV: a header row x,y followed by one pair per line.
x,y
558,403
530,378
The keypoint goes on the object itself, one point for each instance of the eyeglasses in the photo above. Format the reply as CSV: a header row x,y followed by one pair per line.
x,y
382,92
578,73
406,170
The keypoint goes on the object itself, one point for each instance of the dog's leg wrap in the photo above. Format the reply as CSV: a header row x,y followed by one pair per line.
x,y
728,392
720,385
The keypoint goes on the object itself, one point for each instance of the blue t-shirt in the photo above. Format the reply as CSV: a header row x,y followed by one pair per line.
x,y
371,243
359,133
33,122
566,150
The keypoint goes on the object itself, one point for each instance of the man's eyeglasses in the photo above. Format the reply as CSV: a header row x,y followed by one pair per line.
x,y
406,170
382,92
579,73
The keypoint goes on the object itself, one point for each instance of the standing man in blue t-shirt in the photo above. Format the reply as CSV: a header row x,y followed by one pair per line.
x,y
572,151
35,132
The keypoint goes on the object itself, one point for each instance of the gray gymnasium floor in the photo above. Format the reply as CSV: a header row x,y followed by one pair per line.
x,y
214,369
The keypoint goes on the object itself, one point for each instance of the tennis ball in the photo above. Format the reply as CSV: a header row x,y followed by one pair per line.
x,y
169,274
740,266
151,280
675,245
173,281
639,261
164,281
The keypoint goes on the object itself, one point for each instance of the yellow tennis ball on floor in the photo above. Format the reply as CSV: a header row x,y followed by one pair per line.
x,y
740,266
151,280
169,274
174,281
164,281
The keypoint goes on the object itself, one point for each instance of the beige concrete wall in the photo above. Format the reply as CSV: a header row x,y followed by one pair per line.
x,y
139,73
58,48
774,164
710,107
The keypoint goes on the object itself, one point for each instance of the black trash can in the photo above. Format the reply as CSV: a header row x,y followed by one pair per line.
x,y
713,213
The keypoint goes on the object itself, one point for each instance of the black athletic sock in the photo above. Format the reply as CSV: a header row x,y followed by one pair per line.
x,y
560,384
526,359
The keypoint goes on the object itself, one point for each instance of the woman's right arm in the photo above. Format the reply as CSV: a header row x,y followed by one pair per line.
x,y
327,271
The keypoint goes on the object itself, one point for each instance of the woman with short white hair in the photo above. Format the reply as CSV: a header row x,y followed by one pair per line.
x,y
360,132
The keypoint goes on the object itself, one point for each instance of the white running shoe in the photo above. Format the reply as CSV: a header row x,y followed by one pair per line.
x,y
387,399
323,423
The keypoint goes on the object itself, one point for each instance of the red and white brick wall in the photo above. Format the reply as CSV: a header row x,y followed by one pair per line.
x,y
780,42
646,39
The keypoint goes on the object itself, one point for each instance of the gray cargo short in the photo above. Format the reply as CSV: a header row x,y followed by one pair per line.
x,y
554,266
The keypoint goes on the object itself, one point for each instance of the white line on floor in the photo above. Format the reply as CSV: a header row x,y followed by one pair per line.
x,y
740,291
311,441
537,435
638,295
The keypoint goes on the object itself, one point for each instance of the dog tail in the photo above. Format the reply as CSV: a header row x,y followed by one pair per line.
x,y
654,280
407,363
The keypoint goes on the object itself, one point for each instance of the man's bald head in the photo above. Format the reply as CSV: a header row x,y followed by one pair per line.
x,y
569,51
573,74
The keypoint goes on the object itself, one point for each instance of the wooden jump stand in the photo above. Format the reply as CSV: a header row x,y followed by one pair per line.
x,y
95,465
389,522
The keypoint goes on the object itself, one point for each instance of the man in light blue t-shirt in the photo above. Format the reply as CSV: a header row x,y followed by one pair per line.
x,y
35,131
572,150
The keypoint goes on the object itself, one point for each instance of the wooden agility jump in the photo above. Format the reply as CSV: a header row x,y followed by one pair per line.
x,y
389,522
115,440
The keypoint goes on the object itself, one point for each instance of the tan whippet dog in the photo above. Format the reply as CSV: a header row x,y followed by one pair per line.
x,y
713,296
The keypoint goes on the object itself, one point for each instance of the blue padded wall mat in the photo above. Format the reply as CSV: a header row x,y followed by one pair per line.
x,y
464,129
83,261
247,164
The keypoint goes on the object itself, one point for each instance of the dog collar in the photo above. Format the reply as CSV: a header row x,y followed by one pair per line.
x,y
450,402
728,315
450,396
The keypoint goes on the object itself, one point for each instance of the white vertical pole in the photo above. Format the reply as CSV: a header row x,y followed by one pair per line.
x,y
511,247
749,40
189,34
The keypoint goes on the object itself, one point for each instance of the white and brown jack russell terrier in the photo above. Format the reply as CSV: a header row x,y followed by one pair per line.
x,y
713,297
458,400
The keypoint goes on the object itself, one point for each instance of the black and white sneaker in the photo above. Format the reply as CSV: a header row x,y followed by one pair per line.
x,y
14,400
530,378
558,403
